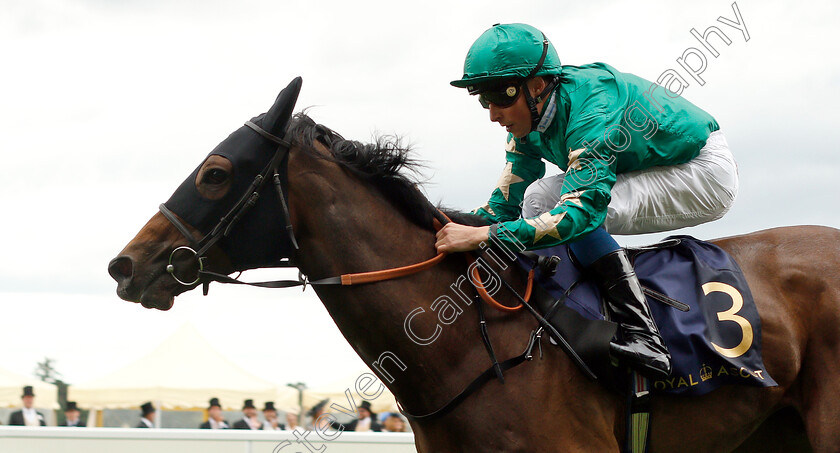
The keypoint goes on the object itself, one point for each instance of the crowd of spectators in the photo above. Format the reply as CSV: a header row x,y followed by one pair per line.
x,y
366,420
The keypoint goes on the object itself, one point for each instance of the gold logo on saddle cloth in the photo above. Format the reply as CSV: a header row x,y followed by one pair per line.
x,y
706,373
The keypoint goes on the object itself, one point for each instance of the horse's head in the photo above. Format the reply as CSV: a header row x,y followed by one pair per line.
x,y
203,224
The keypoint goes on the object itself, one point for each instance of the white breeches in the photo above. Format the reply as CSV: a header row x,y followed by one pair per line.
x,y
658,198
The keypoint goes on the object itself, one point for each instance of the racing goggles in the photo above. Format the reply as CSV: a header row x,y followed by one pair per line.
x,y
502,97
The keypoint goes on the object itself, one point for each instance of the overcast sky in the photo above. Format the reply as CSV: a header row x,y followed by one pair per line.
x,y
105,106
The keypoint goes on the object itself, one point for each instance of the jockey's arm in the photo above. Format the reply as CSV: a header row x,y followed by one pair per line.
x,y
581,206
522,167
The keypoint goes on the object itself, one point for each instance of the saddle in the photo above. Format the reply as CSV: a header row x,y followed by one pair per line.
x,y
698,296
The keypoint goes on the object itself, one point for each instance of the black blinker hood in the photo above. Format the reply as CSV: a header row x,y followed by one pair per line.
x,y
259,239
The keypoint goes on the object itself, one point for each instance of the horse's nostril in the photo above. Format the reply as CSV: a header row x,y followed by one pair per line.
x,y
121,268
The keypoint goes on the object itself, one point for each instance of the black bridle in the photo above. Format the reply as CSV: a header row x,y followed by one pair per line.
x,y
199,247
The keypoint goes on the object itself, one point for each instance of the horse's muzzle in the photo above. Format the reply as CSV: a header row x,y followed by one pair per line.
x,y
122,270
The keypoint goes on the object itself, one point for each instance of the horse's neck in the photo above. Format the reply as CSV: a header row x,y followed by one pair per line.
x,y
348,227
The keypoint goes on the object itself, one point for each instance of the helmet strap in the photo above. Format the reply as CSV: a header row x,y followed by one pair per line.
x,y
542,58
532,101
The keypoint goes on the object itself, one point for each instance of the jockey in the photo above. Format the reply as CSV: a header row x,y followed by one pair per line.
x,y
637,159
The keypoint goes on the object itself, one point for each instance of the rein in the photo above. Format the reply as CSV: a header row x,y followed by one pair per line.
x,y
199,247
364,277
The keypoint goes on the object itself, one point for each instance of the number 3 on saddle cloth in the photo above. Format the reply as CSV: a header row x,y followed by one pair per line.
x,y
717,341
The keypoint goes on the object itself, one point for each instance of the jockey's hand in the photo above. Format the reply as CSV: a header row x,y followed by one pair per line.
x,y
454,237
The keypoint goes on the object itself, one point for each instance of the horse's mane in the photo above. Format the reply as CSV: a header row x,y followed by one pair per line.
x,y
386,164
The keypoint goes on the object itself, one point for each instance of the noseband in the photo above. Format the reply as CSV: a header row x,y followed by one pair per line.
x,y
199,247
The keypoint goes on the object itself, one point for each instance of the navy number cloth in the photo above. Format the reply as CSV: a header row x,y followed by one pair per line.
x,y
716,342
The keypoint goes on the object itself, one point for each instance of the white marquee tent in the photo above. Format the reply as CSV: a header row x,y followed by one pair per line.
x,y
183,372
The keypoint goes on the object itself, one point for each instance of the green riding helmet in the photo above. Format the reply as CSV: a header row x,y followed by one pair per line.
x,y
508,51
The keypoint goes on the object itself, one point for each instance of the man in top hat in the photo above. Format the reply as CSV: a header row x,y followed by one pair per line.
x,y
72,416
147,419
271,423
365,422
27,416
214,416
250,419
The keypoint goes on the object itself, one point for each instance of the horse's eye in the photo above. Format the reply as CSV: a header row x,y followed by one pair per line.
x,y
215,176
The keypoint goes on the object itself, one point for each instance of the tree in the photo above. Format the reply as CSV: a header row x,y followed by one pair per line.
x,y
47,372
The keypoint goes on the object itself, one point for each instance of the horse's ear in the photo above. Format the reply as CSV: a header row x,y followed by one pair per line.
x,y
278,115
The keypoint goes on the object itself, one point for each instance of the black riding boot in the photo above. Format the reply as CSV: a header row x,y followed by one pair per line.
x,y
641,344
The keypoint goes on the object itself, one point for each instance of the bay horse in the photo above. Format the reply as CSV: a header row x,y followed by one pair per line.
x,y
352,207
